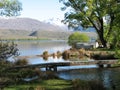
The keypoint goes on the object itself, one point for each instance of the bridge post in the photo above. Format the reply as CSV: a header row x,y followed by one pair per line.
x,y
101,65
55,68
47,68
51,68
108,65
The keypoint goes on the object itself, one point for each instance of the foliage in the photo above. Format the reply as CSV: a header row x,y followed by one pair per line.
x,y
103,15
10,7
77,37
65,55
3,66
26,73
10,75
21,62
114,39
87,85
45,53
7,50
117,53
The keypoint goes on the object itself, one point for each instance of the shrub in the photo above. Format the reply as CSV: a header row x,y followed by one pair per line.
x,y
80,85
7,50
77,37
45,53
117,53
27,73
87,85
49,75
59,53
21,62
65,55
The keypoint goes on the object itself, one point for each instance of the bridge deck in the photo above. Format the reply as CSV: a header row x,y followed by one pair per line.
x,y
73,63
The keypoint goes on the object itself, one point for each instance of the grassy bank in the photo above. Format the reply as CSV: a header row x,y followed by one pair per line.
x,y
53,84
58,84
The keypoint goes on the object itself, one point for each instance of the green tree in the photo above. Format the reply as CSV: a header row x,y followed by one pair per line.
x,y
77,37
10,7
100,14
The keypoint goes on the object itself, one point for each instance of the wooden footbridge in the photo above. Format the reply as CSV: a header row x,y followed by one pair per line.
x,y
53,65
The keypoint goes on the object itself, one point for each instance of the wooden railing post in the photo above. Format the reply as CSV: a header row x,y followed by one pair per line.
x,y
55,68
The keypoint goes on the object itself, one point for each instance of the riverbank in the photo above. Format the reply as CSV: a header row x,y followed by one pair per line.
x,y
52,84
58,84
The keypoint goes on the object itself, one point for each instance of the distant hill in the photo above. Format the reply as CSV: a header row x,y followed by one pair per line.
x,y
26,24
26,28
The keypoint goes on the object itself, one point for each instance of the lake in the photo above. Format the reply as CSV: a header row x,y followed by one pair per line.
x,y
108,76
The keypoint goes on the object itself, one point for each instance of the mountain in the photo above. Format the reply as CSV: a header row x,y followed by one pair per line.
x,y
54,21
26,28
21,28
26,24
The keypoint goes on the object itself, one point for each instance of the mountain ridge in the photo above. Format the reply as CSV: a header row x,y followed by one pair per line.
x,y
26,24
27,28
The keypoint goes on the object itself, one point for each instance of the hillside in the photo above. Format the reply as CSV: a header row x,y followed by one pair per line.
x,y
26,28
26,24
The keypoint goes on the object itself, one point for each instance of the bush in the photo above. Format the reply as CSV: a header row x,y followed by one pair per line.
x,y
21,62
45,53
117,53
77,37
87,85
65,55
7,50
80,85
49,75
59,53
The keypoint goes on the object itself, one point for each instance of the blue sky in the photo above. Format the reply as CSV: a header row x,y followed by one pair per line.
x,y
42,9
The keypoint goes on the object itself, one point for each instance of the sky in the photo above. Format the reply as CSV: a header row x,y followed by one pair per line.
x,y
42,10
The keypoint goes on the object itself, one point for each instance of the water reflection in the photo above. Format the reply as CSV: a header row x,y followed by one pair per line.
x,y
41,60
109,77
38,47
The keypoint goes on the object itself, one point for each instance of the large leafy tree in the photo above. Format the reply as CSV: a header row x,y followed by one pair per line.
x,y
100,14
114,36
10,7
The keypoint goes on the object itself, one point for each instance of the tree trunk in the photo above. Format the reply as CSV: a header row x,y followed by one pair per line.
x,y
103,41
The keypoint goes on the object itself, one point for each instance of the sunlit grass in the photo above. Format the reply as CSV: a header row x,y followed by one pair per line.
x,y
53,84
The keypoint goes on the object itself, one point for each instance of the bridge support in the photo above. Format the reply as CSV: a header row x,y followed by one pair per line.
x,y
108,65
51,68
47,68
55,68
101,65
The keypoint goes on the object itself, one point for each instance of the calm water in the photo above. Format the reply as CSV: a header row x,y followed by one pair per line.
x,y
109,77
37,47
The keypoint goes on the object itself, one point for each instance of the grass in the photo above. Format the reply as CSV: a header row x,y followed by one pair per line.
x,y
58,84
103,49
54,84
22,39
